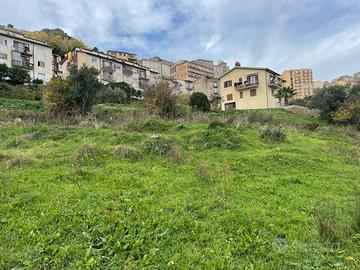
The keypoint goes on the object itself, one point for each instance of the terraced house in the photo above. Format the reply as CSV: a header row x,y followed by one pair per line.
x,y
249,88
111,69
32,55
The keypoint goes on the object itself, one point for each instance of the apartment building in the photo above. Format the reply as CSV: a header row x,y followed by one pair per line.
x,y
357,77
207,85
32,55
123,56
344,80
249,88
191,70
318,85
111,69
161,66
220,68
301,80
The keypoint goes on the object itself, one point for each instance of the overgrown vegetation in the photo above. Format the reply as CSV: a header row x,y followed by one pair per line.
x,y
124,188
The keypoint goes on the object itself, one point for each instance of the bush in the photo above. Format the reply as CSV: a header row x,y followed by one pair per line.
x,y
199,101
130,92
111,95
216,124
225,138
161,100
157,145
18,76
259,117
270,134
89,154
127,152
152,125
58,98
328,101
298,102
31,92
311,126
348,113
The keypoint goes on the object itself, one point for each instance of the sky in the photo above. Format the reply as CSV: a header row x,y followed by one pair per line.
x,y
284,34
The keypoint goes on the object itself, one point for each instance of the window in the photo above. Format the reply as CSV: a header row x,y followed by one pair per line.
x,y
229,97
93,60
3,42
227,84
252,92
41,64
252,79
241,94
3,56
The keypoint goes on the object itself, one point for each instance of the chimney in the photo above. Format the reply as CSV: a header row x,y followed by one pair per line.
x,y
237,64
10,26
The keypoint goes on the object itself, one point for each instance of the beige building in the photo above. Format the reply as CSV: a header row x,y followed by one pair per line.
x,y
159,65
32,55
123,55
111,69
207,85
249,88
345,80
191,70
318,85
301,80
357,77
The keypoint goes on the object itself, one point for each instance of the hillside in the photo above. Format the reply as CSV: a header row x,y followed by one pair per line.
x,y
58,39
124,190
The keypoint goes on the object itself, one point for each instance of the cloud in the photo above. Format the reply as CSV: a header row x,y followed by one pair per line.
x,y
286,34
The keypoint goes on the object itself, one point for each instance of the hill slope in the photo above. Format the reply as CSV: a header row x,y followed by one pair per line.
x,y
104,195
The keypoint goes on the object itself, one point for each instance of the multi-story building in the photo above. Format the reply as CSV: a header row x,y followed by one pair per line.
x,y
161,66
111,69
123,55
344,80
249,88
220,68
301,80
357,77
207,85
190,70
32,55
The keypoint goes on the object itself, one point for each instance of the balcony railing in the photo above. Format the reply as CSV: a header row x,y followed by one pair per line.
x,y
23,50
275,82
246,84
22,64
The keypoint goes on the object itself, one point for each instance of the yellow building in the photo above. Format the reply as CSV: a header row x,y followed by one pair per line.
x,y
249,88
301,80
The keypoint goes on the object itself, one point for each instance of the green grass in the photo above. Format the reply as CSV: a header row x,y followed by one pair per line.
x,y
69,201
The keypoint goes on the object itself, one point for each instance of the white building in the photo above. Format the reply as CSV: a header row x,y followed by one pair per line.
x,y
32,55
161,66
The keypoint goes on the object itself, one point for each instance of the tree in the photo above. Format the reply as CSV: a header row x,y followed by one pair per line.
x,y
215,101
130,91
84,86
285,93
328,101
160,99
199,101
4,72
18,76
57,97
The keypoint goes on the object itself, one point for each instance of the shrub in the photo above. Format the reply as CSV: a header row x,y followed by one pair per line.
x,y
175,154
216,124
129,91
270,134
127,152
199,101
311,126
298,102
18,76
161,100
259,117
225,138
348,113
152,125
327,227
328,101
58,98
4,72
157,145
111,95
183,105
30,92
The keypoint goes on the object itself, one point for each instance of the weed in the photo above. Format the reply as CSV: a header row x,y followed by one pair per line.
x,y
152,125
89,154
203,172
225,138
311,126
158,145
270,134
327,225
20,159
175,154
216,124
226,171
124,151
14,143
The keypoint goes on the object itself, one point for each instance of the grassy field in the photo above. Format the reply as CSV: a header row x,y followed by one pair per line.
x,y
123,190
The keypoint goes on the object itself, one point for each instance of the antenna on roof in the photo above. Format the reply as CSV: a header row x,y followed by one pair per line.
x,y
237,64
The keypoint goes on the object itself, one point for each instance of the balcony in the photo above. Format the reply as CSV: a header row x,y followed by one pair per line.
x,y
22,50
275,83
22,64
107,77
246,85
108,68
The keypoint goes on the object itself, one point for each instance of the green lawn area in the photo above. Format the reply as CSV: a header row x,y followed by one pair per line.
x,y
220,198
